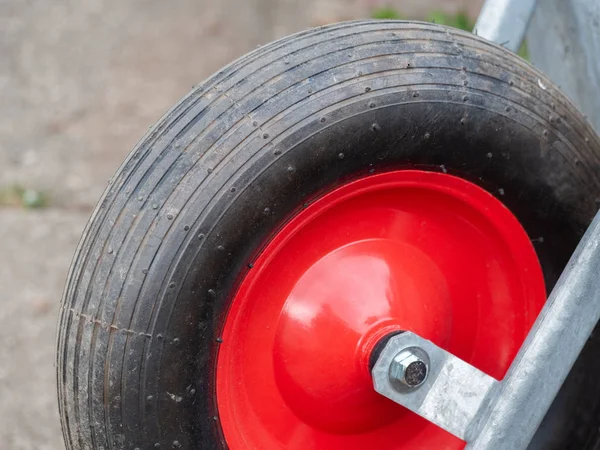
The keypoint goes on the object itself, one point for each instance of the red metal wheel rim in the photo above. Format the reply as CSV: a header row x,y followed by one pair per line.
x,y
412,250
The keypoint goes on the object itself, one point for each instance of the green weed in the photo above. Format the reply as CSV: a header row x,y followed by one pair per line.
x,y
20,196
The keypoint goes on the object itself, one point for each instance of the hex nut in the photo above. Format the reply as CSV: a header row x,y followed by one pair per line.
x,y
409,369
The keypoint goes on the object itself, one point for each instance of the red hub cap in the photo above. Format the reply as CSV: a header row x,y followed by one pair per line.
x,y
404,250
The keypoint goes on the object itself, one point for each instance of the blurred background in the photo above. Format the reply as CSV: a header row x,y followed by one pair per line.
x,y
80,82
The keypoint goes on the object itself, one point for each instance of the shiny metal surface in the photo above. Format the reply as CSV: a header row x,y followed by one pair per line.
x,y
505,21
451,395
409,369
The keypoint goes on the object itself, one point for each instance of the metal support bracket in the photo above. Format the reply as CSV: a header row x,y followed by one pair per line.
x,y
504,415
451,395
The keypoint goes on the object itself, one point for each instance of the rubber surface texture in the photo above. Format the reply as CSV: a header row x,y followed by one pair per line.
x,y
184,216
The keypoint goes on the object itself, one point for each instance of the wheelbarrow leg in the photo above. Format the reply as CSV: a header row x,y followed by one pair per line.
x,y
505,21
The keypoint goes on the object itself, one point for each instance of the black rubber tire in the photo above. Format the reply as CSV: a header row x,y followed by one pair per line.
x,y
186,213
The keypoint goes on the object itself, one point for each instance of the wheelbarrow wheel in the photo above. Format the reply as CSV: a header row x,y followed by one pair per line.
x,y
312,196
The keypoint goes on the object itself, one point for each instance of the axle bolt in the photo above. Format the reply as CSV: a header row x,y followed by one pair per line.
x,y
408,369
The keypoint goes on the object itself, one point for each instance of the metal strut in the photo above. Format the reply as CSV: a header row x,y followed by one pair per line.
x,y
502,415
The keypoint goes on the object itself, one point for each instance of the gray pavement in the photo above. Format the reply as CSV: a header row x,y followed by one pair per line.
x,y
35,250
80,81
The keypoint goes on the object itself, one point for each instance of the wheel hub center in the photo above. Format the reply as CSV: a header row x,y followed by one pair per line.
x,y
323,340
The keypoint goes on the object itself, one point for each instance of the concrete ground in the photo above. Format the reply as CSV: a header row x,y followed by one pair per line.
x,y
79,83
